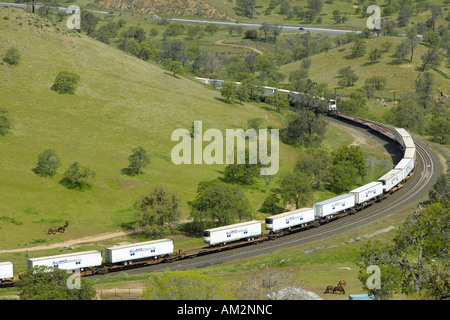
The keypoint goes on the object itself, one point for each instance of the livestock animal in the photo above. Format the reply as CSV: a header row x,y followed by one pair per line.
x,y
339,290
329,289
67,224
342,283
61,229
52,231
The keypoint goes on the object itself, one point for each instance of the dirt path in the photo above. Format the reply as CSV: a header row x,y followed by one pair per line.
x,y
72,242
219,42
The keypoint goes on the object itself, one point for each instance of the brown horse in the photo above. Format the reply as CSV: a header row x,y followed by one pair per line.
x,y
67,223
339,290
329,289
52,231
342,283
61,229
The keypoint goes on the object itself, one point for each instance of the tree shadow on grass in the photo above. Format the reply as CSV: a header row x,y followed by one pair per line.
x,y
128,171
223,100
171,74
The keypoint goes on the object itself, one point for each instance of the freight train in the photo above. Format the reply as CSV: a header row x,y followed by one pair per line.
x,y
233,236
266,91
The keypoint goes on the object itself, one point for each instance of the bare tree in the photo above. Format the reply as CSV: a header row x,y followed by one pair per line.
x,y
276,30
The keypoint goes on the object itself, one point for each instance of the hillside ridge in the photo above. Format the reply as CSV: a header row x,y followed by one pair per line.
x,y
178,7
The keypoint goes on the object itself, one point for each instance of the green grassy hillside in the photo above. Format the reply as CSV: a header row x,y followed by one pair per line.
x,y
274,12
400,74
121,102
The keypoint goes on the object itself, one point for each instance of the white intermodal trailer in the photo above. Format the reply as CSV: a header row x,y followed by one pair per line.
x,y
367,192
330,207
411,154
71,261
129,252
391,179
6,271
290,219
234,232
403,138
406,165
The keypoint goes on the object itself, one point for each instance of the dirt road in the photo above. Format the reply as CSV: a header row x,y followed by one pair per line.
x,y
72,242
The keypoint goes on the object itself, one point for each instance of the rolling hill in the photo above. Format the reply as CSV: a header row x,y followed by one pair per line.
x,y
171,7
400,74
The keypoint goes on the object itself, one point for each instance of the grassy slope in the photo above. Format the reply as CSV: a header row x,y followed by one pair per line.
x,y
121,102
354,22
400,75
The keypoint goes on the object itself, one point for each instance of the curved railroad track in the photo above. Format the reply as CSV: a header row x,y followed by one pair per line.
x,y
425,173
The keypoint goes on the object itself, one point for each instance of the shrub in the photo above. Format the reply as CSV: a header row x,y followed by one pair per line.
x,y
66,82
12,56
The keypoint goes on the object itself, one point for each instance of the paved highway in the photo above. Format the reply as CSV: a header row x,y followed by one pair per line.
x,y
257,25
221,23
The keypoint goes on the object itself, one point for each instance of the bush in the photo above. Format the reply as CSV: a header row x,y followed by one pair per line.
x,y
66,82
251,34
12,56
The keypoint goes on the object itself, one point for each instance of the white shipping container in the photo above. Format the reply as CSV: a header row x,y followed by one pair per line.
x,y
140,250
409,143
71,261
367,192
6,270
411,154
233,232
334,205
289,219
406,165
403,137
391,179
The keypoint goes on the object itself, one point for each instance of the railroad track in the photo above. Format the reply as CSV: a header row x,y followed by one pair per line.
x,y
414,189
